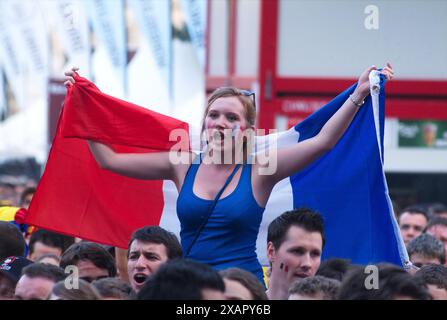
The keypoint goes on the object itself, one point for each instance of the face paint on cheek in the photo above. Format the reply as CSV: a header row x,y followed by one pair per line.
x,y
236,129
286,269
281,266
208,126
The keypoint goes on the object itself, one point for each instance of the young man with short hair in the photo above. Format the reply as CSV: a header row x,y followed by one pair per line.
x,y
46,242
412,222
295,242
426,249
149,248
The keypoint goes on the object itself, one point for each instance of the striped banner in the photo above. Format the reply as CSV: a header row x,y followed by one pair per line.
x,y
108,21
154,20
72,31
27,29
195,13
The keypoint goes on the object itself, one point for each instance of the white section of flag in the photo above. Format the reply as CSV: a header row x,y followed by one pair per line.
x,y
281,198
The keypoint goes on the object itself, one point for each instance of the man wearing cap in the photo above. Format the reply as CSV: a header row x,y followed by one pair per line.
x,y
10,271
12,242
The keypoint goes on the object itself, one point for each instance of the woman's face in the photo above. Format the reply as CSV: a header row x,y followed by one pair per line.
x,y
224,116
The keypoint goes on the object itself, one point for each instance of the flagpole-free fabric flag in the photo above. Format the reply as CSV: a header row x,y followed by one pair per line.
x,y
75,196
347,185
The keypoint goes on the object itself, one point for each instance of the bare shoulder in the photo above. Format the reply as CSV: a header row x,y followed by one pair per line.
x,y
262,181
181,161
264,167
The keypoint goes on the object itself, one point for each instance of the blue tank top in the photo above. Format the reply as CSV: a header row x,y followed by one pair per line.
x,y
229,237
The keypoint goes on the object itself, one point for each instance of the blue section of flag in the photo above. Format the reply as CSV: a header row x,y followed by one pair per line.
x,y
347,186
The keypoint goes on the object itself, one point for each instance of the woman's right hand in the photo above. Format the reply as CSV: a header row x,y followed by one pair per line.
x,y
69,76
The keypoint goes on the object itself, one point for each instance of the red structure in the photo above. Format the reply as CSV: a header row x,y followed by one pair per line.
x,y
297,97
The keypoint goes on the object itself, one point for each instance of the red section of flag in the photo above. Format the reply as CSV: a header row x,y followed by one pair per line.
x,y
75,196
91,114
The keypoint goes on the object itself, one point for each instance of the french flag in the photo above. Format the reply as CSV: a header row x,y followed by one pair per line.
x,y
347,185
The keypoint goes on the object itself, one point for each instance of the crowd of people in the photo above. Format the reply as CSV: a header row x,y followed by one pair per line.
x,y
220,208
40,264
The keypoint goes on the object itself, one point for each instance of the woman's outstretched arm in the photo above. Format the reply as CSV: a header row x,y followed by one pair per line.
x,y
147,166
292,159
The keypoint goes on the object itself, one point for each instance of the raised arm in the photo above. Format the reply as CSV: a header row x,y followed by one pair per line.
x,y
292,159
148,166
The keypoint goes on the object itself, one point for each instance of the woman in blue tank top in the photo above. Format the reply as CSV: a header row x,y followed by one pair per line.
x,y
223,234
229,236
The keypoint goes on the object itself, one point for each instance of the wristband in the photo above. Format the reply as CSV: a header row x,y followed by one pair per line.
x,y
358,104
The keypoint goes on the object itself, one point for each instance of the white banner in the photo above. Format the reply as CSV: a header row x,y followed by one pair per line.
x,y
11,59
154,20
72,30
28,30
107,18
195,15
3,106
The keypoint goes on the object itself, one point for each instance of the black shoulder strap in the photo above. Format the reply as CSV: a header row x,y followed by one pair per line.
x,y
205,221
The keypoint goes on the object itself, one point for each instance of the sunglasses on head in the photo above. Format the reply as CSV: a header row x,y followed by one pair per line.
x,y
248,94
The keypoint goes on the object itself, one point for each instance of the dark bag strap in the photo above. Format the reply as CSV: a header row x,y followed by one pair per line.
x,y
205,221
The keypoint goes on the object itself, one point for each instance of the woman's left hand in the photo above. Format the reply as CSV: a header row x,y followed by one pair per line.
x,y
363,83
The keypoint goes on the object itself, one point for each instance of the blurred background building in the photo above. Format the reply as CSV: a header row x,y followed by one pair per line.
x,y
167,55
